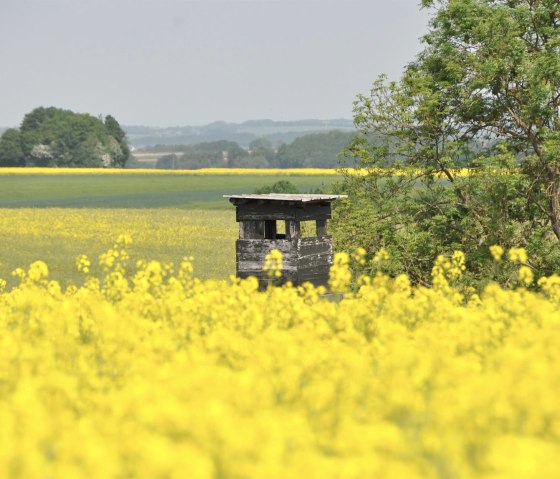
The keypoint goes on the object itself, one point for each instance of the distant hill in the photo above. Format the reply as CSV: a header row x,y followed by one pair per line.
x,y
277,132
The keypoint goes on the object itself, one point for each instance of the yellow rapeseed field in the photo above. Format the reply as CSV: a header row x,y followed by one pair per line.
x,y
201,171
58,235
226,171
146,372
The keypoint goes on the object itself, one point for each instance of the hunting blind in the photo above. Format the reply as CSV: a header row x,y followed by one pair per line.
x,y
261,230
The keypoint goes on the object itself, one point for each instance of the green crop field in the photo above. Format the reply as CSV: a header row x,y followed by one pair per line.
x,y
138,190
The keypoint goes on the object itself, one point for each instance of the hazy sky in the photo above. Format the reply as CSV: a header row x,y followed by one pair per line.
x,y
184,62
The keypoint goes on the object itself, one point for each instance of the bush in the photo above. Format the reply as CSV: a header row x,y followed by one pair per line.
x,y
282,186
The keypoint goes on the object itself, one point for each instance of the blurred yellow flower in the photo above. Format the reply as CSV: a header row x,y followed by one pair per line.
x,y
497,252
146,371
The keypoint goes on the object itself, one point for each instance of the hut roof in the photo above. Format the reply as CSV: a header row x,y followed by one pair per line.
x,y
283,197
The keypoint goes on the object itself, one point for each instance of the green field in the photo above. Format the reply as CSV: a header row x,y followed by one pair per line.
x,y
138,191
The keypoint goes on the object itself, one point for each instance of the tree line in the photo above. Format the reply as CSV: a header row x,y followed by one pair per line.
x,y
316,150
54,137
277,132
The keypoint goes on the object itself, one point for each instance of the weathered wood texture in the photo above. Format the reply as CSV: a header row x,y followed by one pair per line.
x,y
304,259
314,251
315,257
251,229
293,230
251,254
282,197
318,276
307,259
321,227
258,211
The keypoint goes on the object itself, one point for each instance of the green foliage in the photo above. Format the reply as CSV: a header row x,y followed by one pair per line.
x,y
56,137
261,154
205,155
11,148
116,132
318,150
484,93
166,162
282,186
262,147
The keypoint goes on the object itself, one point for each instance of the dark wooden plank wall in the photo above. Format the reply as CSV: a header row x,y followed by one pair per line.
x,y
256,211
251,255
306,259
319,276
249,229
314,260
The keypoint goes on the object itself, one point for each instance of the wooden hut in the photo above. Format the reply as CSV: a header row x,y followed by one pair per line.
x,y
307,252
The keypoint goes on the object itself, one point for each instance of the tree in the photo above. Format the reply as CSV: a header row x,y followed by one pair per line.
x,y
500,64
55,137
261,147
210,154
11,150
315,150
33,120
282,186
115,130
483,93
261,154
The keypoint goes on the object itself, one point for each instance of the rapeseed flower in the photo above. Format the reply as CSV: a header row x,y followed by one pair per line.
x,y
145,371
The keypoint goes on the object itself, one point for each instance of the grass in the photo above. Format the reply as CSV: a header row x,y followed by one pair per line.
x,y
134,190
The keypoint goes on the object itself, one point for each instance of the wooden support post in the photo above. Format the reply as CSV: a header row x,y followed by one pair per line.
x,y
321,227
292,230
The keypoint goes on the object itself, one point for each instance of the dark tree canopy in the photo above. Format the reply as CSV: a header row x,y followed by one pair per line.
x,y
282,186
211,154
61,138
314,150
